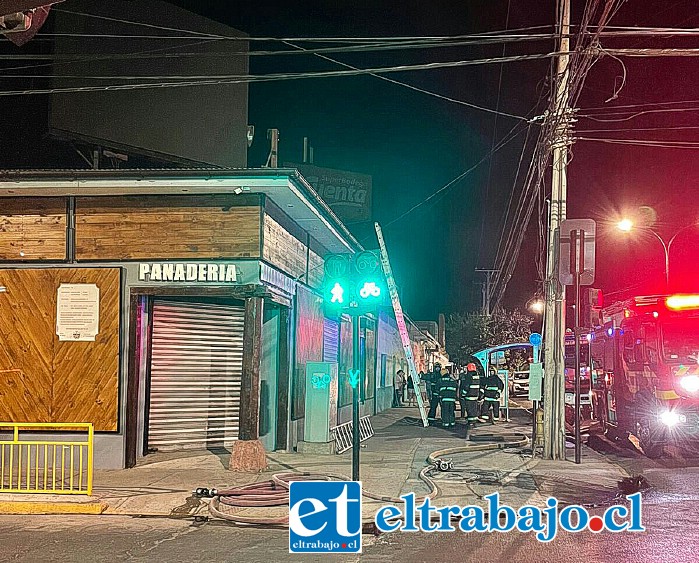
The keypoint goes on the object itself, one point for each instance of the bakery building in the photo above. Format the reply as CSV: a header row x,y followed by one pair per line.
x,y
174,309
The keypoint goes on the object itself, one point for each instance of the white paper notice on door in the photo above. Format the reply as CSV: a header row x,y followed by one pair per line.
x,y
78,312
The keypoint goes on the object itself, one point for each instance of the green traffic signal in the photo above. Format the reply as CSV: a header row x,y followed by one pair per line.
x,y
369,290
337,294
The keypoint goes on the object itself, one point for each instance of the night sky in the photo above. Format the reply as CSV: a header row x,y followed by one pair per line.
x,y
412,144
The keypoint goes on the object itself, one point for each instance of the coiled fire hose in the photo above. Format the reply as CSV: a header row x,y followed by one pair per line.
x,y
275,492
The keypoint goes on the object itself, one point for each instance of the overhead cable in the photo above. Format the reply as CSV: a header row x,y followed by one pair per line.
x,y
241,79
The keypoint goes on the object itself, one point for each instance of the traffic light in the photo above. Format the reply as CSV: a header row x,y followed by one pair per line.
x,y
336,285
593,303
368,281
354,283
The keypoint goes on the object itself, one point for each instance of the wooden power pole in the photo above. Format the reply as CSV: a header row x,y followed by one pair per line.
x,y
554,318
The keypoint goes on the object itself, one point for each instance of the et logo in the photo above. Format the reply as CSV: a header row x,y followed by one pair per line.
x,y
325,517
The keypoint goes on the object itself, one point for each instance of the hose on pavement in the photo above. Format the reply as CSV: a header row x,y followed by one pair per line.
x,y
275,492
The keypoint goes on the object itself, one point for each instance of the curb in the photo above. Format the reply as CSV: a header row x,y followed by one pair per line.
x,y
23,507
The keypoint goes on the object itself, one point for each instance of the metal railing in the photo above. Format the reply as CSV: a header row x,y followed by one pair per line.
x,y
46,466
343,434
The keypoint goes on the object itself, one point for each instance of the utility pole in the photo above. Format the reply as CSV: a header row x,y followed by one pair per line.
x,y
485,290
554,318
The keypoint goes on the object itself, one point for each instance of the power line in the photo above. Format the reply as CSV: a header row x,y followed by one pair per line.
x,y
415,88
362,48
636,114
241,79
645,142
634,106
492,144
649,52
509,137
293,39
634,129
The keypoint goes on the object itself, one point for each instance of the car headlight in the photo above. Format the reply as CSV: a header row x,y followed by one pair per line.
x,y
690,383
669,418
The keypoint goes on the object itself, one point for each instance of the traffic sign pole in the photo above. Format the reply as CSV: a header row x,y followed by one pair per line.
x,y
535,340
355,397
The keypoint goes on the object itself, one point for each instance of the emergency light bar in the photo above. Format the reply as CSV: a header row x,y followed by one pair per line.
x,y
677,302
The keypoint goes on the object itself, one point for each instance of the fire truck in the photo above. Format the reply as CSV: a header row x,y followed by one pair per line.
x,y
645,370
585,400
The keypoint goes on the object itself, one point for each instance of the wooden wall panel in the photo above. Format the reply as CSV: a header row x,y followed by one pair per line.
x,y
27,327
33,226
283,250
43,379
130,228
86,374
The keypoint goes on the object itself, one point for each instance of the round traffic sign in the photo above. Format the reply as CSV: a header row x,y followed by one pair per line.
x,y
535,339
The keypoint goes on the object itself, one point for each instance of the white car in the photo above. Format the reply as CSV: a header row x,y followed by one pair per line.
x,y
519,383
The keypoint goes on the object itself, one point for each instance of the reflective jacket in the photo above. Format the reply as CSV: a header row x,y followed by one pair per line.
x,y
493,385
433,381
447,388
470,386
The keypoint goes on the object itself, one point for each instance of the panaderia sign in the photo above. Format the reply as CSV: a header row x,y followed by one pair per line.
x,y
188,272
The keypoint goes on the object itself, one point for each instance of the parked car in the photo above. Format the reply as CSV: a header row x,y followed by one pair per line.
x,y
519,383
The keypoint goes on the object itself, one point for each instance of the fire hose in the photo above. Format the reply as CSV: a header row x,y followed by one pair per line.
x,y
275,492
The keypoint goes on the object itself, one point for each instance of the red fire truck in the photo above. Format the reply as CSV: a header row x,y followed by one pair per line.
x,y
645,370
585,402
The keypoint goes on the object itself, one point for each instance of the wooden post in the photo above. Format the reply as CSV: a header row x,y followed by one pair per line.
x,y
248,453
283,381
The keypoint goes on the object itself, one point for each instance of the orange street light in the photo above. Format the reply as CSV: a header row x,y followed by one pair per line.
x,y
625,225
537,306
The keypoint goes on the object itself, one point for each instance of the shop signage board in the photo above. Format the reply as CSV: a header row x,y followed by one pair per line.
x,y
77,312
187,272
347,193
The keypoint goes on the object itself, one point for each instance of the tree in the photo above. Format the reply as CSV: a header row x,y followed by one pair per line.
x,y
468,333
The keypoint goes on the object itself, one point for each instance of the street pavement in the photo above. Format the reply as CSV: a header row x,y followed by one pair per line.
x,y
391,461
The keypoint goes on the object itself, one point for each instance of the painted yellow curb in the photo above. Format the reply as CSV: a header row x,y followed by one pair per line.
x,y
20,507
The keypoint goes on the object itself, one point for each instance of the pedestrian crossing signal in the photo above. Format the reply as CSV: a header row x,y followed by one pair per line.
x,y
353,283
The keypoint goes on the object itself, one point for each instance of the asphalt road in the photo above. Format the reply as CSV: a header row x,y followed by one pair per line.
x,y
670,515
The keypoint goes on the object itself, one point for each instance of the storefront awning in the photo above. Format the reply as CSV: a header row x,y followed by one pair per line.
x,y
287,188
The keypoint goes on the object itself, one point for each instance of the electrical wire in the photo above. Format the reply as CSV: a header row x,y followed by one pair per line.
x,y
581,59
293,39
361,48
636,106
242,79
645,142
634,129
600,119
509,137
412,87
492,144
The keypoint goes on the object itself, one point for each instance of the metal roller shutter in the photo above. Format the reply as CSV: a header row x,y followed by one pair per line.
x,y
196,368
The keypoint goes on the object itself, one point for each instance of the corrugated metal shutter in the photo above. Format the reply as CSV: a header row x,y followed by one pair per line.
x,y
331,340
196,368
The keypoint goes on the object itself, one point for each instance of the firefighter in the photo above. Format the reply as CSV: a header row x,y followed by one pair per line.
x,y
492,387
433,391
447,392
463,386
470,393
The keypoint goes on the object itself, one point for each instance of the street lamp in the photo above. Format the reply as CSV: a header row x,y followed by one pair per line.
x,y
537,306
626,225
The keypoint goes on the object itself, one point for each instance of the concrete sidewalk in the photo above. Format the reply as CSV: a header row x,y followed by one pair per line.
x,y
389,465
